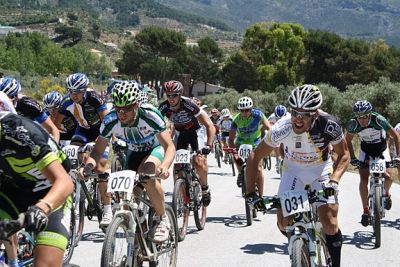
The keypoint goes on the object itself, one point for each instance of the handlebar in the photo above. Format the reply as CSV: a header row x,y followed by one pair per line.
x,y
275,202
10,227
230,150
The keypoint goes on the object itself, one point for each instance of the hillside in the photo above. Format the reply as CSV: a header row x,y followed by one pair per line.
x,y
369,19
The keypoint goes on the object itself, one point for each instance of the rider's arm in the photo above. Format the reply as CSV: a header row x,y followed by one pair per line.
x,y
396,139
62,186
205,120
261,151
58,117
266,125
102,114
166,142
349,137
342,160
98,150
52,129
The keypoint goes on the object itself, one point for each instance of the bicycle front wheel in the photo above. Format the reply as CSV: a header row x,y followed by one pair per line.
x,y
268,162
117,244
377,215
200,215
232,163
180,206
218,153
71,240
300,254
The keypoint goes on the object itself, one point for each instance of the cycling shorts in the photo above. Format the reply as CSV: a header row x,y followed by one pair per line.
x,y
295,177
224,135
363,156
57,231
196,139
84,136
134,159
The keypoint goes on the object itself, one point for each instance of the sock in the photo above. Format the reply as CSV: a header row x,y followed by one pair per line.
x,y
334,244
366,210
107,209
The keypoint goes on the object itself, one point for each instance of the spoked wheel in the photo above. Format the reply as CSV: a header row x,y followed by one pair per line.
x,y
376,220
300,255
218,154
232,163
168,251
72,238
200,215
117,244
180,206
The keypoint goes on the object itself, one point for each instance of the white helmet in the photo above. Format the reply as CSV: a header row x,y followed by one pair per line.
x,y
245,103
225,112
307,97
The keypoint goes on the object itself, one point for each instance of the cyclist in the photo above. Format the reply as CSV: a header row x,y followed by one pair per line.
x,y
225,126
280,112
248,127
27,106
151,149
89,110
34,180
306,136
52,102
187,117
216,118
372,129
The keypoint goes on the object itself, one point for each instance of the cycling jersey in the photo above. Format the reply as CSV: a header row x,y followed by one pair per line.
x,y
68,127
225,125
272,119
87,113
30,108
185,117
308,148
248,130
215,120
5,103
141,136
373,137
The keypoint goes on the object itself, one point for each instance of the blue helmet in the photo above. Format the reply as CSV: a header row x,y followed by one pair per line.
x,y
280,111
111,85
77,82
52,99
10,86
362,106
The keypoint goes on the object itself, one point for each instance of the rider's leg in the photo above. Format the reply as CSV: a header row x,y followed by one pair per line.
x,y
48,256
11,248
363,187
260,179
328,217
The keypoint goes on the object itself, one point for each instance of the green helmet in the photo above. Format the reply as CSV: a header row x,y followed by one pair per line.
x,y
125,93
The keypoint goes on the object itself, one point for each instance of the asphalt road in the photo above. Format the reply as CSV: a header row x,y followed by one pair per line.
x,y
227,241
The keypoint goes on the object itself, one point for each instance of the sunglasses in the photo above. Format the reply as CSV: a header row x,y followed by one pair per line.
x,y
172,95
245,110
74,92
301,114
363,116
123,110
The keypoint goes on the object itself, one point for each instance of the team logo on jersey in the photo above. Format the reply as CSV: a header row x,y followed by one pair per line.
x,y
333,129
298,144
7,152
281,132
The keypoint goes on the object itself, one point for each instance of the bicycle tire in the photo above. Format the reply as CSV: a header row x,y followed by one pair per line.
x,y
107,253
300,254
180,207
232,163
249,210
323,254
168,251
217,153
377,215
199,213
268,162
81,221
69,251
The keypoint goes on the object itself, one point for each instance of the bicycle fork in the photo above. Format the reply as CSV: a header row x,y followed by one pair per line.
x,y
305,231
376,182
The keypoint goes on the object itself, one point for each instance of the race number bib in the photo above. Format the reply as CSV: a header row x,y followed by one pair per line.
x,y
293,202
71,151
182,156
244,151
122,181
377,166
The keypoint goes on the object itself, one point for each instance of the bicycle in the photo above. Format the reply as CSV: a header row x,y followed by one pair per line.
x,y
187,194
134,219
377,167
118,161
243,153
306,239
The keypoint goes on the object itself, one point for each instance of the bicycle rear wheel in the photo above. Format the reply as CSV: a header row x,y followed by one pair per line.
x,y
324,258
268,162
117,244
232,163
300,254
217,153
180,206
377,215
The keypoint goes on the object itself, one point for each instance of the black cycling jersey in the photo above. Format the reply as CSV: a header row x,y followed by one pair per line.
x,y
87,113
185,117
25,149
30,108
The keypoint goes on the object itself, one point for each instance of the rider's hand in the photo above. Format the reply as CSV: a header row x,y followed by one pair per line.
x,y
255,201
35,219
206,150
86,171
162,172
354,161
331,188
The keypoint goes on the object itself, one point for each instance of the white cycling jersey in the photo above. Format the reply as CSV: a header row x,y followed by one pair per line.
x,y
5,104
